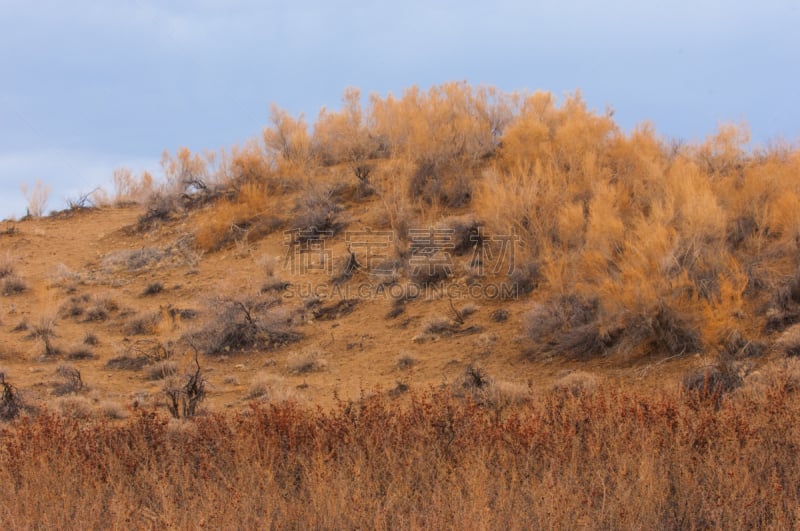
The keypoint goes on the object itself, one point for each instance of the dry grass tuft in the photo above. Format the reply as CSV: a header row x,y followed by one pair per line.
x,y
306,361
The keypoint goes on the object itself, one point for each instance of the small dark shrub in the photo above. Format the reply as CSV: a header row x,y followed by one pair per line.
x,y
475,378
398,308
13,285
153,289
334,310
78,354
405,362
672,333
275,285
499,316
522,281
128,363
76,306
91,340
10,402
101,310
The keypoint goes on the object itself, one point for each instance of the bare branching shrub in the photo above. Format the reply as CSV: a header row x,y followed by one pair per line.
x,y
83,201
161,208
244,324
185,395
37,198
70,382
317,213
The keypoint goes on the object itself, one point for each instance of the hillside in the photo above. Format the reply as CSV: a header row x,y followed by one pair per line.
x,y
416,241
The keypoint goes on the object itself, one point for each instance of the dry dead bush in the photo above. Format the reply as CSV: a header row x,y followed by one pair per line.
x,y
102,307
13,284
185,395
154,288
11,404
306,361
75,307
142,326
244,324
317,213
71,381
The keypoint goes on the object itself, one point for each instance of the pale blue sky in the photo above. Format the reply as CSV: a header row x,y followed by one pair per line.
x,y
87,86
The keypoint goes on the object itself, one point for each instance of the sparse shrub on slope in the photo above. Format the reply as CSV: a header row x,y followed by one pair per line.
x,y
244,324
